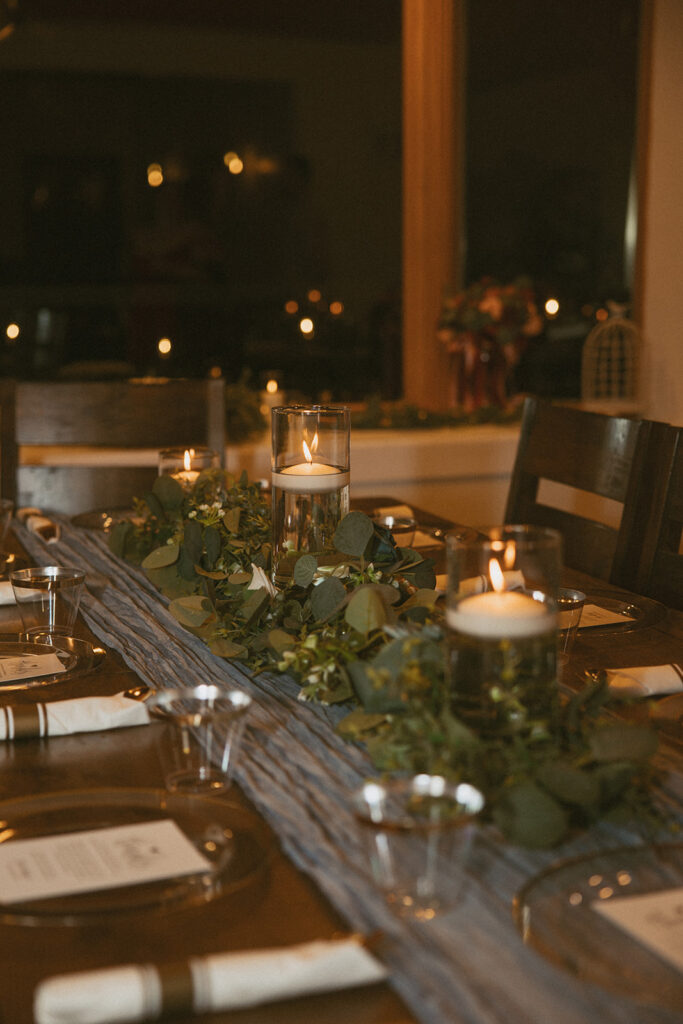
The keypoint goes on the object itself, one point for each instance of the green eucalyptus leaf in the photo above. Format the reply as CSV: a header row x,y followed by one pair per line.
x,y
210,574
163,556
169,582
378,692
305,569
118,537
366,610
240,578
423,574
623,743
169,492
327,598
231,520
570,785
353,534
191,611
225,648
212,545
192,540
155,506
614,778
280,640
528,815
187,564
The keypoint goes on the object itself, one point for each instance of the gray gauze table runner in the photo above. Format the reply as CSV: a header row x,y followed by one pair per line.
x,y
469,966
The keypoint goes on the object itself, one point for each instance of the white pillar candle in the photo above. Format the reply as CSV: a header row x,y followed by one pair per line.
x,y
500,614
310,478
186,477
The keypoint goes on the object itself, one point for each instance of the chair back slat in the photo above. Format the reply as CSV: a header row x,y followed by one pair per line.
x,y
124,415
593,454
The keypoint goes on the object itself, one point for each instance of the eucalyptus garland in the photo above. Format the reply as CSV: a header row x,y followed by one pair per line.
x,y
368,632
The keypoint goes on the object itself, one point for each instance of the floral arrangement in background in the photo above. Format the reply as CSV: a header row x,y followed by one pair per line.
x,y
485,329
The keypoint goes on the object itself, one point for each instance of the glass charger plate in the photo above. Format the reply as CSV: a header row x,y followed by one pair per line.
x,y
638,612
69,660
234,841
78,657
555,914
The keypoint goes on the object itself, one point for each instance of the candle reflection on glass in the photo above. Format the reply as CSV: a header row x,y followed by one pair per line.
x,y
185,464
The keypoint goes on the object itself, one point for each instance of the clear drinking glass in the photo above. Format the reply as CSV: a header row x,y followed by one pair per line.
x,y
48,598
570,607
418,833
310,479
501,618
199,747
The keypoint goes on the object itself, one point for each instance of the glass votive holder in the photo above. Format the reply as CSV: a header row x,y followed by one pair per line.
x,y
185,464
569,607
501,618
310,482
200,745
48,598
418,833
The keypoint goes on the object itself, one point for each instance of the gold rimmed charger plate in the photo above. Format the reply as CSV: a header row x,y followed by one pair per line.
x,y
555,913
79,657
236,844
19,649
636,613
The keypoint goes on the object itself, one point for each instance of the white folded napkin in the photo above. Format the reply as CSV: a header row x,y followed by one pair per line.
x,y
645,681
34,520
63,717
224,981
6,593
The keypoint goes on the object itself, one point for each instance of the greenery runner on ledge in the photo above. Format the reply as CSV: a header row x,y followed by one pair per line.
x,y
368,632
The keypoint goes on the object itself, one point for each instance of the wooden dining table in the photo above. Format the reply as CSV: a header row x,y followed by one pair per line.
x,y
471,968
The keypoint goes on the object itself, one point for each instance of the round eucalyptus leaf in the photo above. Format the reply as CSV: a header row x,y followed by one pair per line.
x,y
570,785
192,539
327,598
169,491
190,611
529,816
225,648
167,554
366,610
305,569
354,533
212,545
280,640
623,743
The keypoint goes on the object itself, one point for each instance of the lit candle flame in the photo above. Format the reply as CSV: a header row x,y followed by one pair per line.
x,y
307,452
187,458
496,575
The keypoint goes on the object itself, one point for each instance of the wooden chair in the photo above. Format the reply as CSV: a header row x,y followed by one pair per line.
x,y
597,475
660,570
95,431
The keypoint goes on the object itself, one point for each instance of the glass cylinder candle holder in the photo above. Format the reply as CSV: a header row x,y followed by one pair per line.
x,y
310,483
185,464
501,617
